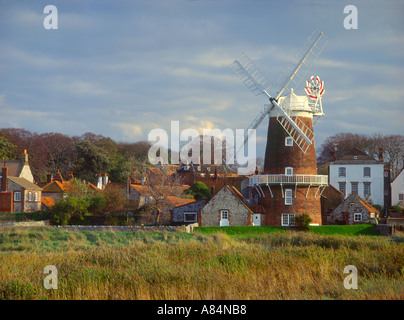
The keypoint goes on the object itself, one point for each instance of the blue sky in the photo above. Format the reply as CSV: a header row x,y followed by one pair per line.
x,y
122,68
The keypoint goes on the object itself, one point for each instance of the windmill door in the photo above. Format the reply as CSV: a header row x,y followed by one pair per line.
x,y
224,218
256,219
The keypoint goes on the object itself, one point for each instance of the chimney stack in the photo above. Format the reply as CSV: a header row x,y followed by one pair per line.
x,y
99,182
333,155
381,155
212,190
4,180
49,177
104,180
24,157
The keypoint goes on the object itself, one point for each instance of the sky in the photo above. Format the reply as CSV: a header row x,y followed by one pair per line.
x,y
123,68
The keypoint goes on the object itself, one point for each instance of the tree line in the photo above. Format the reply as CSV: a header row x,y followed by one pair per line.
x,y
85,155
90,154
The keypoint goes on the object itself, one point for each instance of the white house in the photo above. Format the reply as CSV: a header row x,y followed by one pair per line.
x,y
356,172
397,188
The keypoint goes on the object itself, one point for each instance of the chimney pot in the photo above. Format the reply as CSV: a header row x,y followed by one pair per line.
x,y
4,180
381,155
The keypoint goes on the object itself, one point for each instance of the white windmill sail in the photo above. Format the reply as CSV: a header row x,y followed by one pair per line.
x,y
290,78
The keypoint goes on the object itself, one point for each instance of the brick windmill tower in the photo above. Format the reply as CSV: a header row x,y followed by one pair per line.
x,y
289,184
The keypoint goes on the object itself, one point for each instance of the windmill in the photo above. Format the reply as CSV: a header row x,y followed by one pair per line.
x,y
290,184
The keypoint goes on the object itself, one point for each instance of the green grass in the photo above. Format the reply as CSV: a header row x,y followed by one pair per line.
x,y
360,229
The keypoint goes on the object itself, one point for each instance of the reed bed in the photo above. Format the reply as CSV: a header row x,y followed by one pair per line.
x,y
176,265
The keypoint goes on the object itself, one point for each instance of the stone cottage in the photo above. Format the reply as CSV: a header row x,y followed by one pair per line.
x,y
226,208
187,213
353,210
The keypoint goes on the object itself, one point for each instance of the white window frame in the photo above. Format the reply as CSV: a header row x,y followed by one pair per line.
x,y
288,219
191,212
224,212
29,195
288,171
17,196
288,197
365,173
401,196
341,172
367,186
357,214
357,187
340,184
289,141
36,196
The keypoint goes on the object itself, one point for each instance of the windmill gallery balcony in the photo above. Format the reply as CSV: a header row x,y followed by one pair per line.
x,y
282,179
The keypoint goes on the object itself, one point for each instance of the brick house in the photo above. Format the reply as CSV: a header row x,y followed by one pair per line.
x,y
351,211
18,192
57,188
226,208
26,195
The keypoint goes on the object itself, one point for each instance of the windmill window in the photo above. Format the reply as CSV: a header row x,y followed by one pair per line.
x,y
288,197
288,171
366,171
288,219
289,141
341,172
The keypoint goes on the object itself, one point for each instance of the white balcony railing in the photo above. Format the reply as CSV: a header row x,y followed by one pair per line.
x,y
303,179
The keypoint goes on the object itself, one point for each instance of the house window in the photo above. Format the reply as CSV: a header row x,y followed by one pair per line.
x,y
341,172
288,196
289,141
289,171
354,187
36,196
357,217
366,189
350,204
224,214
366,171
190,216
29,196
342,187
288,219
400,196
17,196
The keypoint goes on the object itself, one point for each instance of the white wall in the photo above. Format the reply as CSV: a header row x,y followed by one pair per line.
x,y
354,173
397,187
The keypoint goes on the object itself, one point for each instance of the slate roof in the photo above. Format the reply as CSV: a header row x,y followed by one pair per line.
x,y
24,183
